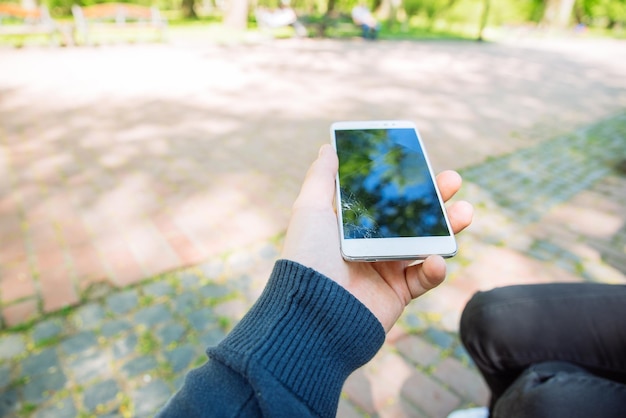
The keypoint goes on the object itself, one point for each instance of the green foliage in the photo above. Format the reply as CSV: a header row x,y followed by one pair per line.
x,y
603,13
430,8
423,14
64,7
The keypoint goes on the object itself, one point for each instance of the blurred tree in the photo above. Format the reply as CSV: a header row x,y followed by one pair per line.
x,y
606,13
484,18
189,9
432,9
236,16
460,13
615,12
558,13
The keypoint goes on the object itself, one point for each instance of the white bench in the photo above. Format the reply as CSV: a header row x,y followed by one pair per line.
x,y
117,16
19,22
282,17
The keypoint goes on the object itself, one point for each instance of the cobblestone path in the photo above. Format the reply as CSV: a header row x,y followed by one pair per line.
x,y
552,211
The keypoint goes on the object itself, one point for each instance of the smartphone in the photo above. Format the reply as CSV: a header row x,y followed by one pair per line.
x,y
388,204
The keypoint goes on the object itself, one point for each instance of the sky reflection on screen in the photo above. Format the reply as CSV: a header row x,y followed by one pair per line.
x,y
386,189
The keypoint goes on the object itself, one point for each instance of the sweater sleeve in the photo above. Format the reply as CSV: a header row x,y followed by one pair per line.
x,y
289,356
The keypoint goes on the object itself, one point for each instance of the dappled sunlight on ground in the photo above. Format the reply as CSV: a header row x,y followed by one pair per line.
x,y
121,163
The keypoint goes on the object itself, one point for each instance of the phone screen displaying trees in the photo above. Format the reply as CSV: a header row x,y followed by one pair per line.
x,y
385,185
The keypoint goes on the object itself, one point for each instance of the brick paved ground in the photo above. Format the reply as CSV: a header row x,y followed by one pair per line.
x,y
142,205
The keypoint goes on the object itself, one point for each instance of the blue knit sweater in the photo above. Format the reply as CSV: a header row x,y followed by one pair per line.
x,y
288,357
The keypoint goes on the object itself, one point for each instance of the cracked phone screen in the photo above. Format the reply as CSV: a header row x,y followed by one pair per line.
x,y
386,190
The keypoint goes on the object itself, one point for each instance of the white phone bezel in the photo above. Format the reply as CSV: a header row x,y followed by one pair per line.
x,y
382,249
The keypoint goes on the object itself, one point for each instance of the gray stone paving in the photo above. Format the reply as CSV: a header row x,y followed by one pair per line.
x,y
529,182
125,353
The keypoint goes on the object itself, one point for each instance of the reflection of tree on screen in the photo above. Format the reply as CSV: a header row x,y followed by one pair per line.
x,y
385,186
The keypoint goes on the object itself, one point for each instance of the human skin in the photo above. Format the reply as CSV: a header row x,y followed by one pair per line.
x,y
385,288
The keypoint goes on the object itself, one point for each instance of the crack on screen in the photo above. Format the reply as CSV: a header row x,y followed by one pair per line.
x,y
357,221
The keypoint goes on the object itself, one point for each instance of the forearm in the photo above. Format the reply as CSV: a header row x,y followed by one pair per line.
x,y
290,354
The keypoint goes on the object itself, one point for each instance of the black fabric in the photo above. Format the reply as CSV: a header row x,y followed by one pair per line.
x,y
509,329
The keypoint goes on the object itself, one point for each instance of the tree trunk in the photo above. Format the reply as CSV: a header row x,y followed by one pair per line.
x,y
189,9
484,18
237,14
558,13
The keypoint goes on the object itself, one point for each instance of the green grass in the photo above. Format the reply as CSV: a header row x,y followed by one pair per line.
x,y
209,29
147,343
27,409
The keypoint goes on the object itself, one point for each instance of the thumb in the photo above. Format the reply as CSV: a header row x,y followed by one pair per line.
x,y
318,189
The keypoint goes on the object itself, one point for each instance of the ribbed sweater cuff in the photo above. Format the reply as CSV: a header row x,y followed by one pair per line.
x,y
308,332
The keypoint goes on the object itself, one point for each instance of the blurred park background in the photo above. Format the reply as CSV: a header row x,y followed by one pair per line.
x,y
146,182
401,19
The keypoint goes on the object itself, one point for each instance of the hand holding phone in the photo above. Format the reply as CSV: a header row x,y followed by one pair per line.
x,y
312,240
388,204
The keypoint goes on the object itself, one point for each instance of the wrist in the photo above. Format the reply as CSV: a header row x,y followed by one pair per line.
x,y
306,331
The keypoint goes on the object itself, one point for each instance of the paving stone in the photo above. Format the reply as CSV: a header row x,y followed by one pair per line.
x,y
214,291
47,330
170,333
112,414
440,338
189,280
346,410
5,375
79,343
157,289
540,254
139,365
213,269
153,315
462,354
180,357
241,282
212,337
413,322
125,346
148,399
44,362
114,327
240,261
429,396
233,309
38,388
88,367
418,351
202,319
9,402
359,390
465,382
124,302
89,316
100,394
179,381
11,346
186,302
64,408
268,252
22,312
